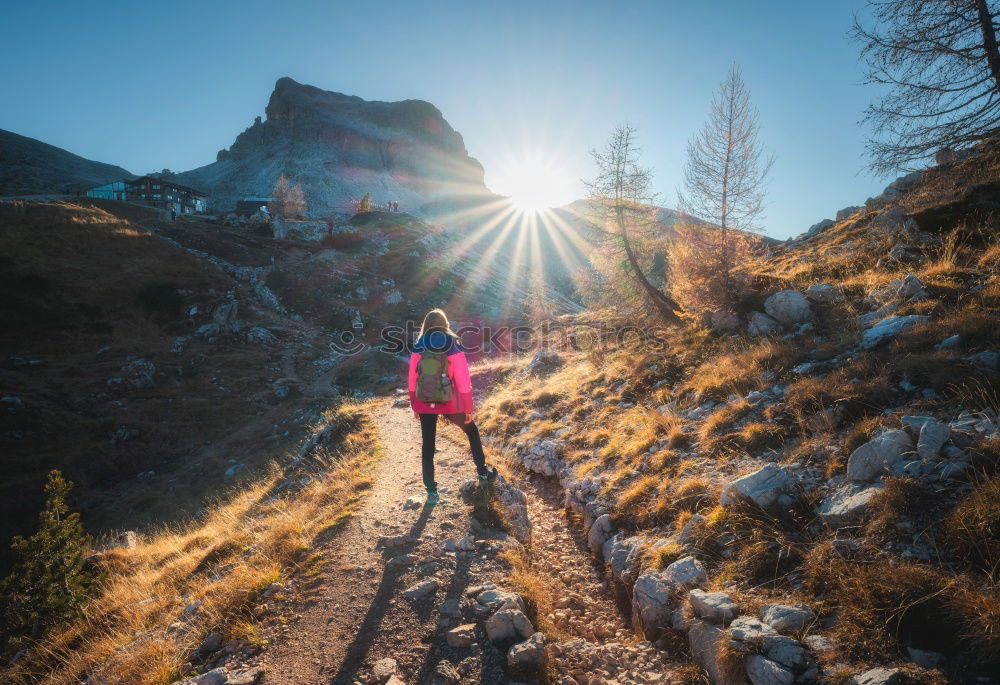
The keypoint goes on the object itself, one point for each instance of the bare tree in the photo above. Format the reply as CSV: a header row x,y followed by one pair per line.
x,y
287,201
621,192
940,62
725,178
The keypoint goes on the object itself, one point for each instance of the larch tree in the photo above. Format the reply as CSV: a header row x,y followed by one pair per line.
x,y
725,183
940,65
621,192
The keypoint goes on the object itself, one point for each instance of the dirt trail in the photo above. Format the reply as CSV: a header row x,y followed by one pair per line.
x,y
351,612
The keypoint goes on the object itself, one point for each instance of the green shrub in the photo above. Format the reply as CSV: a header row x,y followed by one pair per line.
x,y
49,583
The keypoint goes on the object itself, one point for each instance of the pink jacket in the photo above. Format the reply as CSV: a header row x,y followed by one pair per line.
x,y
458,371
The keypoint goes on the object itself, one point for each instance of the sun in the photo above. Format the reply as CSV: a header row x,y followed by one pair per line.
x,y
534,183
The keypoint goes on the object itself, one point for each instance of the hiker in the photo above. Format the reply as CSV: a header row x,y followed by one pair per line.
x,y
173,213
439,383
395,206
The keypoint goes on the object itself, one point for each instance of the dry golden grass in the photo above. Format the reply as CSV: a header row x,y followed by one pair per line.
x,y
535,588
972,529
225,560
884,604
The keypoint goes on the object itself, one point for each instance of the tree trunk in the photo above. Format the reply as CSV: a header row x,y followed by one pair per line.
x,y
664,304
989,40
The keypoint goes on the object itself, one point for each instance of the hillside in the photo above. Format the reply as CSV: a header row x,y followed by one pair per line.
x,y
810,496
338,147
31,167
814,496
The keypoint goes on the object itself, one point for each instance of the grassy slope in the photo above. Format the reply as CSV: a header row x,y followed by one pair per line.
x,y
225,561
660,467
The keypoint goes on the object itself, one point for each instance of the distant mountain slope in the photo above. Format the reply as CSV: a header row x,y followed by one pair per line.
x,y
31,167
338,147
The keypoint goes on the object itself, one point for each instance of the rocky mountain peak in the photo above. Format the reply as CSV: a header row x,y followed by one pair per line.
x,y
338,147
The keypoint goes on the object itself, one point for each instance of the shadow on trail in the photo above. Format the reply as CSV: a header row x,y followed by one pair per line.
x,y
369,628
438,643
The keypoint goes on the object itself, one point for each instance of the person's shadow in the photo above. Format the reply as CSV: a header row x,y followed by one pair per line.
x,y
368,630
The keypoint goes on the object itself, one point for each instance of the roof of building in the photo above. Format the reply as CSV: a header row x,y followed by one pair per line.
x,y
172,184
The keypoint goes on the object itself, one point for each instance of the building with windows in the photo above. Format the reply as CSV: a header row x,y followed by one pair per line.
x,y
153,192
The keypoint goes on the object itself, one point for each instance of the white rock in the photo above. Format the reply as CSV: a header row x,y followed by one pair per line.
x,y
786,651
716,607
878,454
687,573
910,286
822,293
384,669
749,629
461,636
786,616
788,307
762,324
420,590
763,671
878,676
652,603
507,624
889,328
847,505
705,641
763,486
933,436
527,655
599,533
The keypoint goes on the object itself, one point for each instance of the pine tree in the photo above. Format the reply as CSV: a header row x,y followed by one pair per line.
x,y
48,583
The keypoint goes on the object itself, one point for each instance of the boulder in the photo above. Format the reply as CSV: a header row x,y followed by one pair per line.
x,y
508,624
787,617
622,556
822,293
420,590
723,321
786,651
848,212
788,307
878,455
706,641
847,505
762,324
910,286
890,328
933,436
750,630
461,636
762,487
819,227
384,669
599,533
652,603
879,676
716,607
763,671
687,573
529,655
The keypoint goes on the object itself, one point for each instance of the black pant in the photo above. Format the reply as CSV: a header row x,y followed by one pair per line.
x,y
428,430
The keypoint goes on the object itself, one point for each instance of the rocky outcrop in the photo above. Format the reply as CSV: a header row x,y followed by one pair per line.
x,y
788,307
338,147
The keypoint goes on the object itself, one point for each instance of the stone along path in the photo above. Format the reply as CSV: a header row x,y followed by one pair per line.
x,y
600,648
390,584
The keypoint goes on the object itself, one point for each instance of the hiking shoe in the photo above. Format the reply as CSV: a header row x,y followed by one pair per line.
x,y
489,476
433,497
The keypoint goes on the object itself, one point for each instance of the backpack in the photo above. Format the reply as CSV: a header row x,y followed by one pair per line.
x,y
433,382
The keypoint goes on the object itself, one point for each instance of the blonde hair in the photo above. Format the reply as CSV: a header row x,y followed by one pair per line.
x,y
436,318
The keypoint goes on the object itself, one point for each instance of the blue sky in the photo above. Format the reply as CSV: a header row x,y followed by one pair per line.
x,y
152,85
